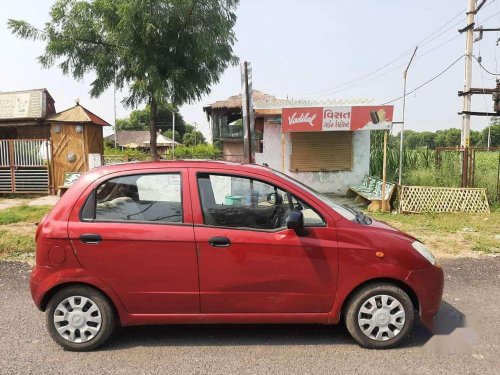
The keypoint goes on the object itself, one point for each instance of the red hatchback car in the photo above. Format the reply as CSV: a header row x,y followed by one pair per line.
x,y
214,242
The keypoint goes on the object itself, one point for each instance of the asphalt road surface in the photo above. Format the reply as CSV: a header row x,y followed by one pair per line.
x,y
462,346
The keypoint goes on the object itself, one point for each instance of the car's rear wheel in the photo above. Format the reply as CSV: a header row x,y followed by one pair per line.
x,y
80,318
380,316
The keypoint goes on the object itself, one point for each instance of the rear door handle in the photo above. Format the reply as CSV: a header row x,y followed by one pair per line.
x,y
219,241
90,238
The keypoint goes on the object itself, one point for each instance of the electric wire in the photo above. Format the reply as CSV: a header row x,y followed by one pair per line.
x,y
360,81
481,71
421,43
426,82
391,70
483,68
418,57
368,77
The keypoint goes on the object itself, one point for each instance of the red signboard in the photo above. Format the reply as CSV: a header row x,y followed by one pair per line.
x,y
317,119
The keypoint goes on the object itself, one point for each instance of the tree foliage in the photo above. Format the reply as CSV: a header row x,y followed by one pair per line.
x,y
139,120
447,138
193,138
160,51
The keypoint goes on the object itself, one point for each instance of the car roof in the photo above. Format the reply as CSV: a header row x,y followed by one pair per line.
x,y
191,163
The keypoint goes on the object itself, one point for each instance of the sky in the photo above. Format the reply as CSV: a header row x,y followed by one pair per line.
x,y
315,49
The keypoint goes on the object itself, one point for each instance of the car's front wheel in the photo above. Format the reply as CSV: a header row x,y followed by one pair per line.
x,y
380,316
80,318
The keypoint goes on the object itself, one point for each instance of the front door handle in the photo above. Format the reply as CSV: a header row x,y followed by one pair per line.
x,y
90,238
219,241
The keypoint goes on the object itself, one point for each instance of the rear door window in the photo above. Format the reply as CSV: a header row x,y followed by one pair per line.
x,y
139,198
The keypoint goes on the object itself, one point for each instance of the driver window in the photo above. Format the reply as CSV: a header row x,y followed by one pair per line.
x,y
311,217
232,201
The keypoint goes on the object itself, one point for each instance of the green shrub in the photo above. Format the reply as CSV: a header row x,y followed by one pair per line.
x,y
196,152
133,154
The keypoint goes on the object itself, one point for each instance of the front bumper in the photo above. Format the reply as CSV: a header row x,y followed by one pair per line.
x,y
428,283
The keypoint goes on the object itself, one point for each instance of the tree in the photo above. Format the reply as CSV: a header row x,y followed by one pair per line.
x,y
453,137
139,120
160,50
194,138
494,133
169,134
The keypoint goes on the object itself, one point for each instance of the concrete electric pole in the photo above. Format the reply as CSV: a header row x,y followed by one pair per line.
x,y
469,41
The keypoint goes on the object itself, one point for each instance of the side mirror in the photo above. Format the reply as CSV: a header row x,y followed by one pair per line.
x,y
271,198
295,221
275,199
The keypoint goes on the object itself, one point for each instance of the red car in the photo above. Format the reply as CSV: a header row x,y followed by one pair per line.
x,y
214,242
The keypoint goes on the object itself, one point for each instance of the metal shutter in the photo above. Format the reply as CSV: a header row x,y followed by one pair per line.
x,y
321,151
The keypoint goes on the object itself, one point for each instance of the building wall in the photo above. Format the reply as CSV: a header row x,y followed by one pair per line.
x,y
324,182
65,141
233,151
31,132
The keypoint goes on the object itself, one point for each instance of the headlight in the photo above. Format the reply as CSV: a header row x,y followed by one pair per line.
x,y
424,251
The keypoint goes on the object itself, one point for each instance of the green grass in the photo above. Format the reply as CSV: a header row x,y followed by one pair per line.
x,y
15,245
18,214
420,169
450,233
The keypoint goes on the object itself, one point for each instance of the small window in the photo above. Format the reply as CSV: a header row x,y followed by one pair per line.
x,y
150,198
232,201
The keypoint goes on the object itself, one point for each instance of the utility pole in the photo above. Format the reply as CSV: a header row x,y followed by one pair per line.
x,y
466,113
173,132
114,109
469,41
248,115
401,135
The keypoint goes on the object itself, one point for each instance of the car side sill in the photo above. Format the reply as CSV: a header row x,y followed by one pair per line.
x,y
249,318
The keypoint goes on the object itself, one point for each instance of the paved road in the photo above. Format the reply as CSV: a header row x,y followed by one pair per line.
x,y
472,288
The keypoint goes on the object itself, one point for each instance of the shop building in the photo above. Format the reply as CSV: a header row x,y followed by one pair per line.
x,y
324,145
38,146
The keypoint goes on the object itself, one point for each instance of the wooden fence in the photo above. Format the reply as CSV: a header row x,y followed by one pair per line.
x,y
416,199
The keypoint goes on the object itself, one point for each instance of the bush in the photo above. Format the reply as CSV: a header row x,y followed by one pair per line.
x,y
196,152
133,154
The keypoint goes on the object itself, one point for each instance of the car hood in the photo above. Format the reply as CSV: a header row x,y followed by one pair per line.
x,y
383,227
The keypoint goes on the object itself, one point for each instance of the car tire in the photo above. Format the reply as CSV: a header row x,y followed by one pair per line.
x,y
90,312
380,316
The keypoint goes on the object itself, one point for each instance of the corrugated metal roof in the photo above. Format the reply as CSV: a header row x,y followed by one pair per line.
x,y
77,114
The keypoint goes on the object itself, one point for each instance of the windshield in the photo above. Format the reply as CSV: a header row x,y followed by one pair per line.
x,y
346,212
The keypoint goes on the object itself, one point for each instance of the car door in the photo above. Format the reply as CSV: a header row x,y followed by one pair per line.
x,y
249,262
135,232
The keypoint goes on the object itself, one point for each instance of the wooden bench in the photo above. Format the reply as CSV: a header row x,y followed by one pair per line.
x,y
69,179
370,189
